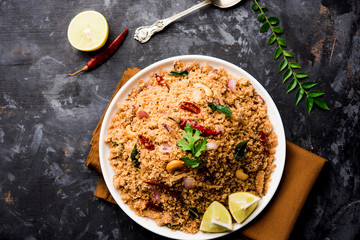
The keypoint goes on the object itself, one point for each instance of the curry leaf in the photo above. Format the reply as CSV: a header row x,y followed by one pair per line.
x,y
134,157
283,65
294,65
315,93
273,20
220,108
272,39
264,27
308,85
261,17
299,95
291,86
281,42
240,150
287,74
277,53
321,103
309,103
177,73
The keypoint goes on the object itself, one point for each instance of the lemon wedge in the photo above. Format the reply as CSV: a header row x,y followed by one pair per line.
x,y
88,31
242,204
216,219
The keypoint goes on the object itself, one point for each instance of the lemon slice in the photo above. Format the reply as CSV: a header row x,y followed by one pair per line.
x,y
88,31
216,219
242,204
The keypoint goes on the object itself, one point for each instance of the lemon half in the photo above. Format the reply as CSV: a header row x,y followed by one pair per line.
x,y
88,31
216,219
242,204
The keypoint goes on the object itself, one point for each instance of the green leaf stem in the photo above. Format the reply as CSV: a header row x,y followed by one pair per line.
x,y
304,89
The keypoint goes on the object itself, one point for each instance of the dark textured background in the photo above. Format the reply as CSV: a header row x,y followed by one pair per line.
x,y
46,117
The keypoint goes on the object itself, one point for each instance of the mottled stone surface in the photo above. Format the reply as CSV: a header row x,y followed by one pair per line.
x,y
46,117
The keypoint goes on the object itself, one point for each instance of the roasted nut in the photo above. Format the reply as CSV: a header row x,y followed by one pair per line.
x,y
174,165
239,174
208,91
129,133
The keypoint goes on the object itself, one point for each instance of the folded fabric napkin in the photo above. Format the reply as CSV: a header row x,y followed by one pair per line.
x,y
278,218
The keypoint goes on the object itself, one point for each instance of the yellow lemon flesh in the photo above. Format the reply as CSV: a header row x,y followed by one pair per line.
x,y
216,219
88,31
242,204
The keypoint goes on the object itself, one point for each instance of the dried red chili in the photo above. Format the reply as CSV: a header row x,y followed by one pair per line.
x,y
188,106
264,142
154,206
167,188
146,142
105,54
205,132
161,81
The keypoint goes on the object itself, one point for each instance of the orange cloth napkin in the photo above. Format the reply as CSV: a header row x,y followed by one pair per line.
x,y
278,218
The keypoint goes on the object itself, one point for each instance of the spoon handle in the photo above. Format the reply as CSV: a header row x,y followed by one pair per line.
x,y
144,33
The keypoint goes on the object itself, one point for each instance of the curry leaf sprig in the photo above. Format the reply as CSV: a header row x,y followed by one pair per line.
x,y
305,88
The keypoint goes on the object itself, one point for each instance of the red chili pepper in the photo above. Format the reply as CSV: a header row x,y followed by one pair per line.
x,y
264,142
188,106
146,142
105,54
205,132
161,81
167,188
154,206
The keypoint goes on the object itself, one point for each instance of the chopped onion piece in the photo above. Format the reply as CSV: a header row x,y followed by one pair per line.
x,y
189,182
143,114
220,128
167,127
156,195
231,84
165,148
211,146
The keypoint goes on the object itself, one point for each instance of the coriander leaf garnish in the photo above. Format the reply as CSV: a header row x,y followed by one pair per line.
x,y
240,150
190,141
288,66
191,162
134,158
220,108
199,146
182,73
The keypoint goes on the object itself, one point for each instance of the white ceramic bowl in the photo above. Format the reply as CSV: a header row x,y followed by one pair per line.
x,y
167,64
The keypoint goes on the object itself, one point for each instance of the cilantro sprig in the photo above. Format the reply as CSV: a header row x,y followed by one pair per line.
x,y
192,143
191,162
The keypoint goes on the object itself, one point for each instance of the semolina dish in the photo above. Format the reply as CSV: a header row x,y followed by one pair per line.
x,y
189,137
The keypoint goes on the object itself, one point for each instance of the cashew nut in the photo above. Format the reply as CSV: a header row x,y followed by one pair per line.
x,y
208,91
174,165
129,133
239,174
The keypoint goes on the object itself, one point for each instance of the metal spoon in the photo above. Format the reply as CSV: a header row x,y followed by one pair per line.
x,y
143,34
